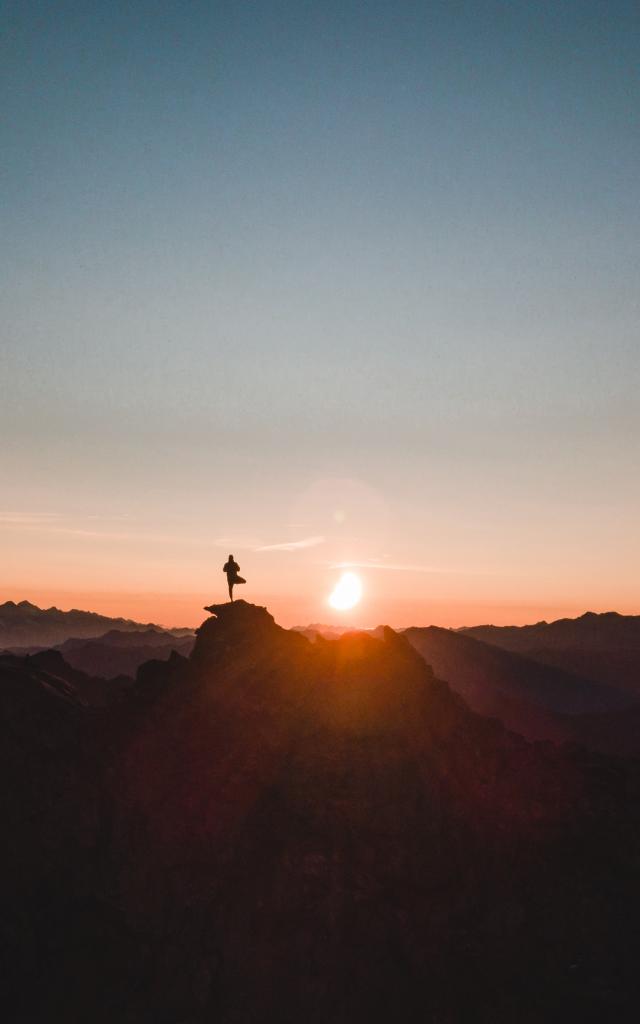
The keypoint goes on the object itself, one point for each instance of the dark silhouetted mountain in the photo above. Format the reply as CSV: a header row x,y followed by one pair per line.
x,y
119,653
538,701
602,647
482,672
611,732
591,631
134,638
26,625
54,672
278,830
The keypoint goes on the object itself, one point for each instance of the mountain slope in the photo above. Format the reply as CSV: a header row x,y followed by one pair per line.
x,y
53,673
482,673
275,830
602,647
121,653
538,701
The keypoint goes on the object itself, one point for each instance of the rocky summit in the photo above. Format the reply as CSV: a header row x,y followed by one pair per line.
x,y
275,830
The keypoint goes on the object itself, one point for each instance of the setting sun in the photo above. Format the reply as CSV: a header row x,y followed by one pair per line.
x,y
347,592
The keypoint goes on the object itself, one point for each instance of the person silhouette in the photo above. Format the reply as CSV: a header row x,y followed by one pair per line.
x,y
232,569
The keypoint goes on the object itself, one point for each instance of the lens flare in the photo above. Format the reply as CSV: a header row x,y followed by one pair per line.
x,y
346,593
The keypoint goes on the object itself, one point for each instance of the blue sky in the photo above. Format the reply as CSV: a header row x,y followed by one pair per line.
x,y
253,247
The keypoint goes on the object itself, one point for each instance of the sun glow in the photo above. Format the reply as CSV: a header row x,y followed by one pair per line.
x,y
347,592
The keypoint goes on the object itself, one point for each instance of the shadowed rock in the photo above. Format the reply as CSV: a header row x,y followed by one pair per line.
x,y
277,830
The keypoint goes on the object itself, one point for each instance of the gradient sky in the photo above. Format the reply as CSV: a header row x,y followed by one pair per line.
x,y
321,283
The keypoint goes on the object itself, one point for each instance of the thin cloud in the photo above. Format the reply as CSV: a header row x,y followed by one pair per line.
x,y
242,543
28,518
400,567
111,519
45,518
52,526
393,566
293,545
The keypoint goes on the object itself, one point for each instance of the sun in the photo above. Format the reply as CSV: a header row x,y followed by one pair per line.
x,y
346,593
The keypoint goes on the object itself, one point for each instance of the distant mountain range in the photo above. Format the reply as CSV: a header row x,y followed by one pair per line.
x,y
602,647
120,653
482,673
539,701
592,631
315,629
25,625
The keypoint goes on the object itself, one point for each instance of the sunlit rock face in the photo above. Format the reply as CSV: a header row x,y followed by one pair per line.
x,y
277,830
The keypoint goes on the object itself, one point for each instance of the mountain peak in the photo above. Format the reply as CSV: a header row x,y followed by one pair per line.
x,y
232,615
23,605
234,623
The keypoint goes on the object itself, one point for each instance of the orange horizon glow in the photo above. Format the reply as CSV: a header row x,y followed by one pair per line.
x,y
442,563
187,609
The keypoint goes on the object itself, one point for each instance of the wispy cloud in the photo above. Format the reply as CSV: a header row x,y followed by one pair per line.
x,y
99,535
28,518
436,570
232,541
48,518
395,567
56,524
292,545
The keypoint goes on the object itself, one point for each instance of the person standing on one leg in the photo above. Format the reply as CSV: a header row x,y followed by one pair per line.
x,y
232,570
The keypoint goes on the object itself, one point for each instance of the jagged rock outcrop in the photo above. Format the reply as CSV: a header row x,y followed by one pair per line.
x,y
276,830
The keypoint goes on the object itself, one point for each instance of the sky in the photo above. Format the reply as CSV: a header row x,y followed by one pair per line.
x,y
326,285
